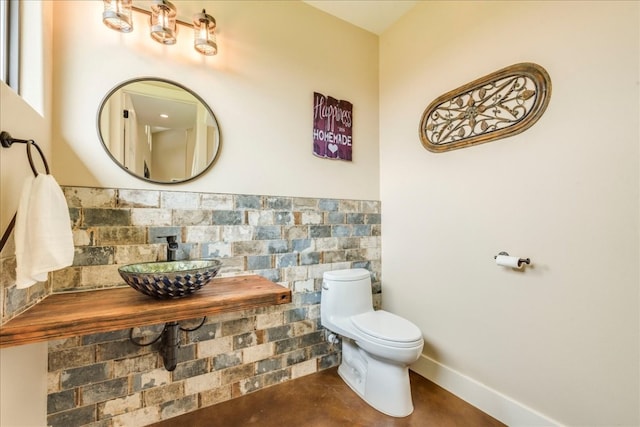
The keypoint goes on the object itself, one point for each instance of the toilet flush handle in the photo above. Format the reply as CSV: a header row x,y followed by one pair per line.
x,y
325,286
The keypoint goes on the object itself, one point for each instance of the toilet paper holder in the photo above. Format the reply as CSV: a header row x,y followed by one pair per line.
x,y
520,260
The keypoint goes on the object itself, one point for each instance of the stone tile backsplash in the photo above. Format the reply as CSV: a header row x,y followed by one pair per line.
x,y
105,380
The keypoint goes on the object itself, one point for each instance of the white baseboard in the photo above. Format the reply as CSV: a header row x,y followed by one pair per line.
x,y
486,399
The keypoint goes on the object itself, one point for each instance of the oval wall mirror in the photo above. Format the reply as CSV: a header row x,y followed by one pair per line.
x,y
158,130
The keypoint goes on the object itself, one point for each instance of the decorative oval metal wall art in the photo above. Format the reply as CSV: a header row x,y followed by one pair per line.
x,y
495,106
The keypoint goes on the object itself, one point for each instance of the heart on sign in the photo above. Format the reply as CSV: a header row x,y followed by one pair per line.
x,y
333,148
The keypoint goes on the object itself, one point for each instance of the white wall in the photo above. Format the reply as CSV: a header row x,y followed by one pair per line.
x,y
23,380
272,57
23,386
23,370
561,337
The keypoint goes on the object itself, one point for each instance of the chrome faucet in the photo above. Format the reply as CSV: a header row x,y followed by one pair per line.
x,y
172,247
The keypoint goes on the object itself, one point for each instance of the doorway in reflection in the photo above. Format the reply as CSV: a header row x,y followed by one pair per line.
x,y
158,130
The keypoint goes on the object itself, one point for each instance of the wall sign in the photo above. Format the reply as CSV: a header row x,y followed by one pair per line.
x,y
332,127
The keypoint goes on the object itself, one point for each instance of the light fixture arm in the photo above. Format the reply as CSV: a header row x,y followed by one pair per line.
x,y
148,13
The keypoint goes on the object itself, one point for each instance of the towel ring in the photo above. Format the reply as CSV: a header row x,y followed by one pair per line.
x,y
44,161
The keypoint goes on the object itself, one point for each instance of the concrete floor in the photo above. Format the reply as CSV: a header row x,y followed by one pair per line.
x,y
324,400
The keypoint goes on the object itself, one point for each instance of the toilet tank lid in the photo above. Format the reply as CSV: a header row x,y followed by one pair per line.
x,y
347,274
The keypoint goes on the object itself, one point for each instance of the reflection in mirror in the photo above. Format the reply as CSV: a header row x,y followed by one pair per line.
x,y
158,130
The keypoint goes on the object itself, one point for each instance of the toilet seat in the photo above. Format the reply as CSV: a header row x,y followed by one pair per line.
x,y
387,329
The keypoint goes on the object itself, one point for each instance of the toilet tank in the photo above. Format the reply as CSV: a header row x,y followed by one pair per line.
x,y
345,293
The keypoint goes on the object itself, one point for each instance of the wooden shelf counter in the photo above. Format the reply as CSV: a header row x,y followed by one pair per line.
x,y
81,313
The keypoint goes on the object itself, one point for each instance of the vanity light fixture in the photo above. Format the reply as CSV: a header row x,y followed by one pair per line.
x,y
163,23
117,15
204,37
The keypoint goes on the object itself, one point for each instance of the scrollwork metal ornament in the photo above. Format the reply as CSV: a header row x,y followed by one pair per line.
x,y
499,105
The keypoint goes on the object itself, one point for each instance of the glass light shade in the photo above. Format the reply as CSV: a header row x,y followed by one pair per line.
x,y
163,22
204,35
117,15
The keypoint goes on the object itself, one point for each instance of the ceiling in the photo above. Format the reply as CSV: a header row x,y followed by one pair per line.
x,y
372,15
177,114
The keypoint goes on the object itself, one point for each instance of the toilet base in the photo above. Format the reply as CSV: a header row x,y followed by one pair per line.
x,y
383,385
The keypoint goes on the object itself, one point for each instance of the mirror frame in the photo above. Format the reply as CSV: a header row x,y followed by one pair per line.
x,y
162,80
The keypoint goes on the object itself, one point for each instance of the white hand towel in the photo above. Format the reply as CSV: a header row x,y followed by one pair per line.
x,y
20,236
43,237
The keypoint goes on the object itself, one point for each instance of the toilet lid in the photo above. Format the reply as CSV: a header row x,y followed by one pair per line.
x,y
387,326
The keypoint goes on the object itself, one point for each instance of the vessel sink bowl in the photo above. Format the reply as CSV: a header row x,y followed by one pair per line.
x,y
170,279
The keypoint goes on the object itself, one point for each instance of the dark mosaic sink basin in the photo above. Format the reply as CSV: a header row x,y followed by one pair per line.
x,y
170,279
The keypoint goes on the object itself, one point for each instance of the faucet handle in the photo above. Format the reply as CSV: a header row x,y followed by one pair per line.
x,y
171,240
172,246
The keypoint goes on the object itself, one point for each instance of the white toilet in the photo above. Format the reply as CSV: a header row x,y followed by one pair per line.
x,y
377,346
